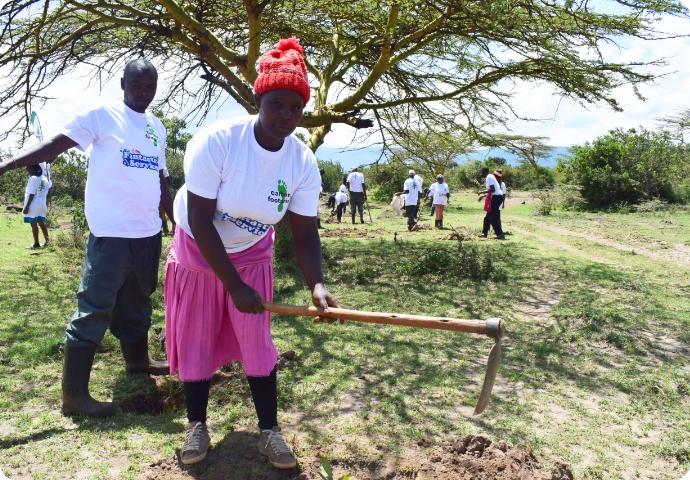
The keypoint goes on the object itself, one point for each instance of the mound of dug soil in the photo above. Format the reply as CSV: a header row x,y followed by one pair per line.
x,y
476,458
466,458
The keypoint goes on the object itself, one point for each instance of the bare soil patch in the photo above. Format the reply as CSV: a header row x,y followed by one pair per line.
x,y
462,458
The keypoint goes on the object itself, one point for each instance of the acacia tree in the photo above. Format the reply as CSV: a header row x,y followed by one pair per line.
x,y
401,63
431,153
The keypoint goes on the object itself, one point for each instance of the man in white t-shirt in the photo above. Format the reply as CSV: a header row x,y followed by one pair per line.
x,y
492,204
358,193
125,186
340,202
411,191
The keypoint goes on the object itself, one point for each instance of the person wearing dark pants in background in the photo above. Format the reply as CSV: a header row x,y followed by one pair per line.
x,y
124,188
411,189
358,194
493,211
340,202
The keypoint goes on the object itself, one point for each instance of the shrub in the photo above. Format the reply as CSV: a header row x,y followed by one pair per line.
x,y
332,175
652,205
462,261
68,175
570,198
12,186
627,167
547,201
520,177
388,179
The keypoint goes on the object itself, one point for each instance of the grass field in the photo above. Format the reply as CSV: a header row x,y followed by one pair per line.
x,y
595,372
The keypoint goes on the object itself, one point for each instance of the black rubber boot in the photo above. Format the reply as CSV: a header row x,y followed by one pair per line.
x,y
440,224
76,372
137,359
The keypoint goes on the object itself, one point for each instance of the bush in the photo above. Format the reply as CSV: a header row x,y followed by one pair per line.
x,y
332,176
520,177
628,167
12,185
68,175
462,261
174,163
570,198
653,205
547,200
388,179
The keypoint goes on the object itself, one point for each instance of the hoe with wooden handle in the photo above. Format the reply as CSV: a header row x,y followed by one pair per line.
x,y
493,327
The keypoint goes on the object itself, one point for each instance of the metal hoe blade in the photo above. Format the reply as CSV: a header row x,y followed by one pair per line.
x,y
490,376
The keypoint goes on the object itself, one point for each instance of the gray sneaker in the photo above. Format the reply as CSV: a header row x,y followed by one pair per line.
x,y
272,444
196,442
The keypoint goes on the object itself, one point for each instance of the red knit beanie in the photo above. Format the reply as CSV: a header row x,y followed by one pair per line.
x,y
283,67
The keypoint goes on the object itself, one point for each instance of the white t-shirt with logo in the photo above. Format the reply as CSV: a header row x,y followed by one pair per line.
x,y
439,193
419,180
123,184
413,191
340,197
38,186
356,180
491,180
253,187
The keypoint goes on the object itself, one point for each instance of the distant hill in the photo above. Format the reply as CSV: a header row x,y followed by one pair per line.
x,y
364,156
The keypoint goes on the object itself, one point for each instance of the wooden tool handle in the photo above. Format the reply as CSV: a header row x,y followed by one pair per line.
x,y
491,327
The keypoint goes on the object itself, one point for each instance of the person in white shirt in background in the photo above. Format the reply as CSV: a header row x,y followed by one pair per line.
x,y
504,189
35,203
494,199
440,194
411,190
358,193
125,186
340,202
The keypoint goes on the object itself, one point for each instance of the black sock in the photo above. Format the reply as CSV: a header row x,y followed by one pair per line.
x,y
265,396
196,396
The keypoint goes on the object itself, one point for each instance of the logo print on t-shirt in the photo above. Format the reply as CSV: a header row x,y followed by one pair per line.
x,y
151,135
281,197
282,191
136,159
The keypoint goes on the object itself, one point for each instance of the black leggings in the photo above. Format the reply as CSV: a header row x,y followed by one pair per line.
x,y
264,393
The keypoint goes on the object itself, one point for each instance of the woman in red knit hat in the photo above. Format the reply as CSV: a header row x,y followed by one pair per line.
x,y
242,176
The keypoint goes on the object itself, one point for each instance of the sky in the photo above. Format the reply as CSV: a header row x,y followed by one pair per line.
x,y
564,122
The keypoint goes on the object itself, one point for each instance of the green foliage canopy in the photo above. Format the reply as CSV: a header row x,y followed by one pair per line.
x,y
401,63
629,166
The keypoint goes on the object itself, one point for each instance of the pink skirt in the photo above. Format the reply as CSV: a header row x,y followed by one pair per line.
x,y
204,330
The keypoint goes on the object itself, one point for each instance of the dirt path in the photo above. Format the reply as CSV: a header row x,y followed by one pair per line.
x,y
563,246
679,254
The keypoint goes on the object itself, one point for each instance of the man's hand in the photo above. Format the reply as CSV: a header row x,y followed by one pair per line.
x,y
25,210
246,299
322,298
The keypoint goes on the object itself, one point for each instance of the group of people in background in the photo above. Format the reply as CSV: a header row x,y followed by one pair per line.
x,y
410,199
